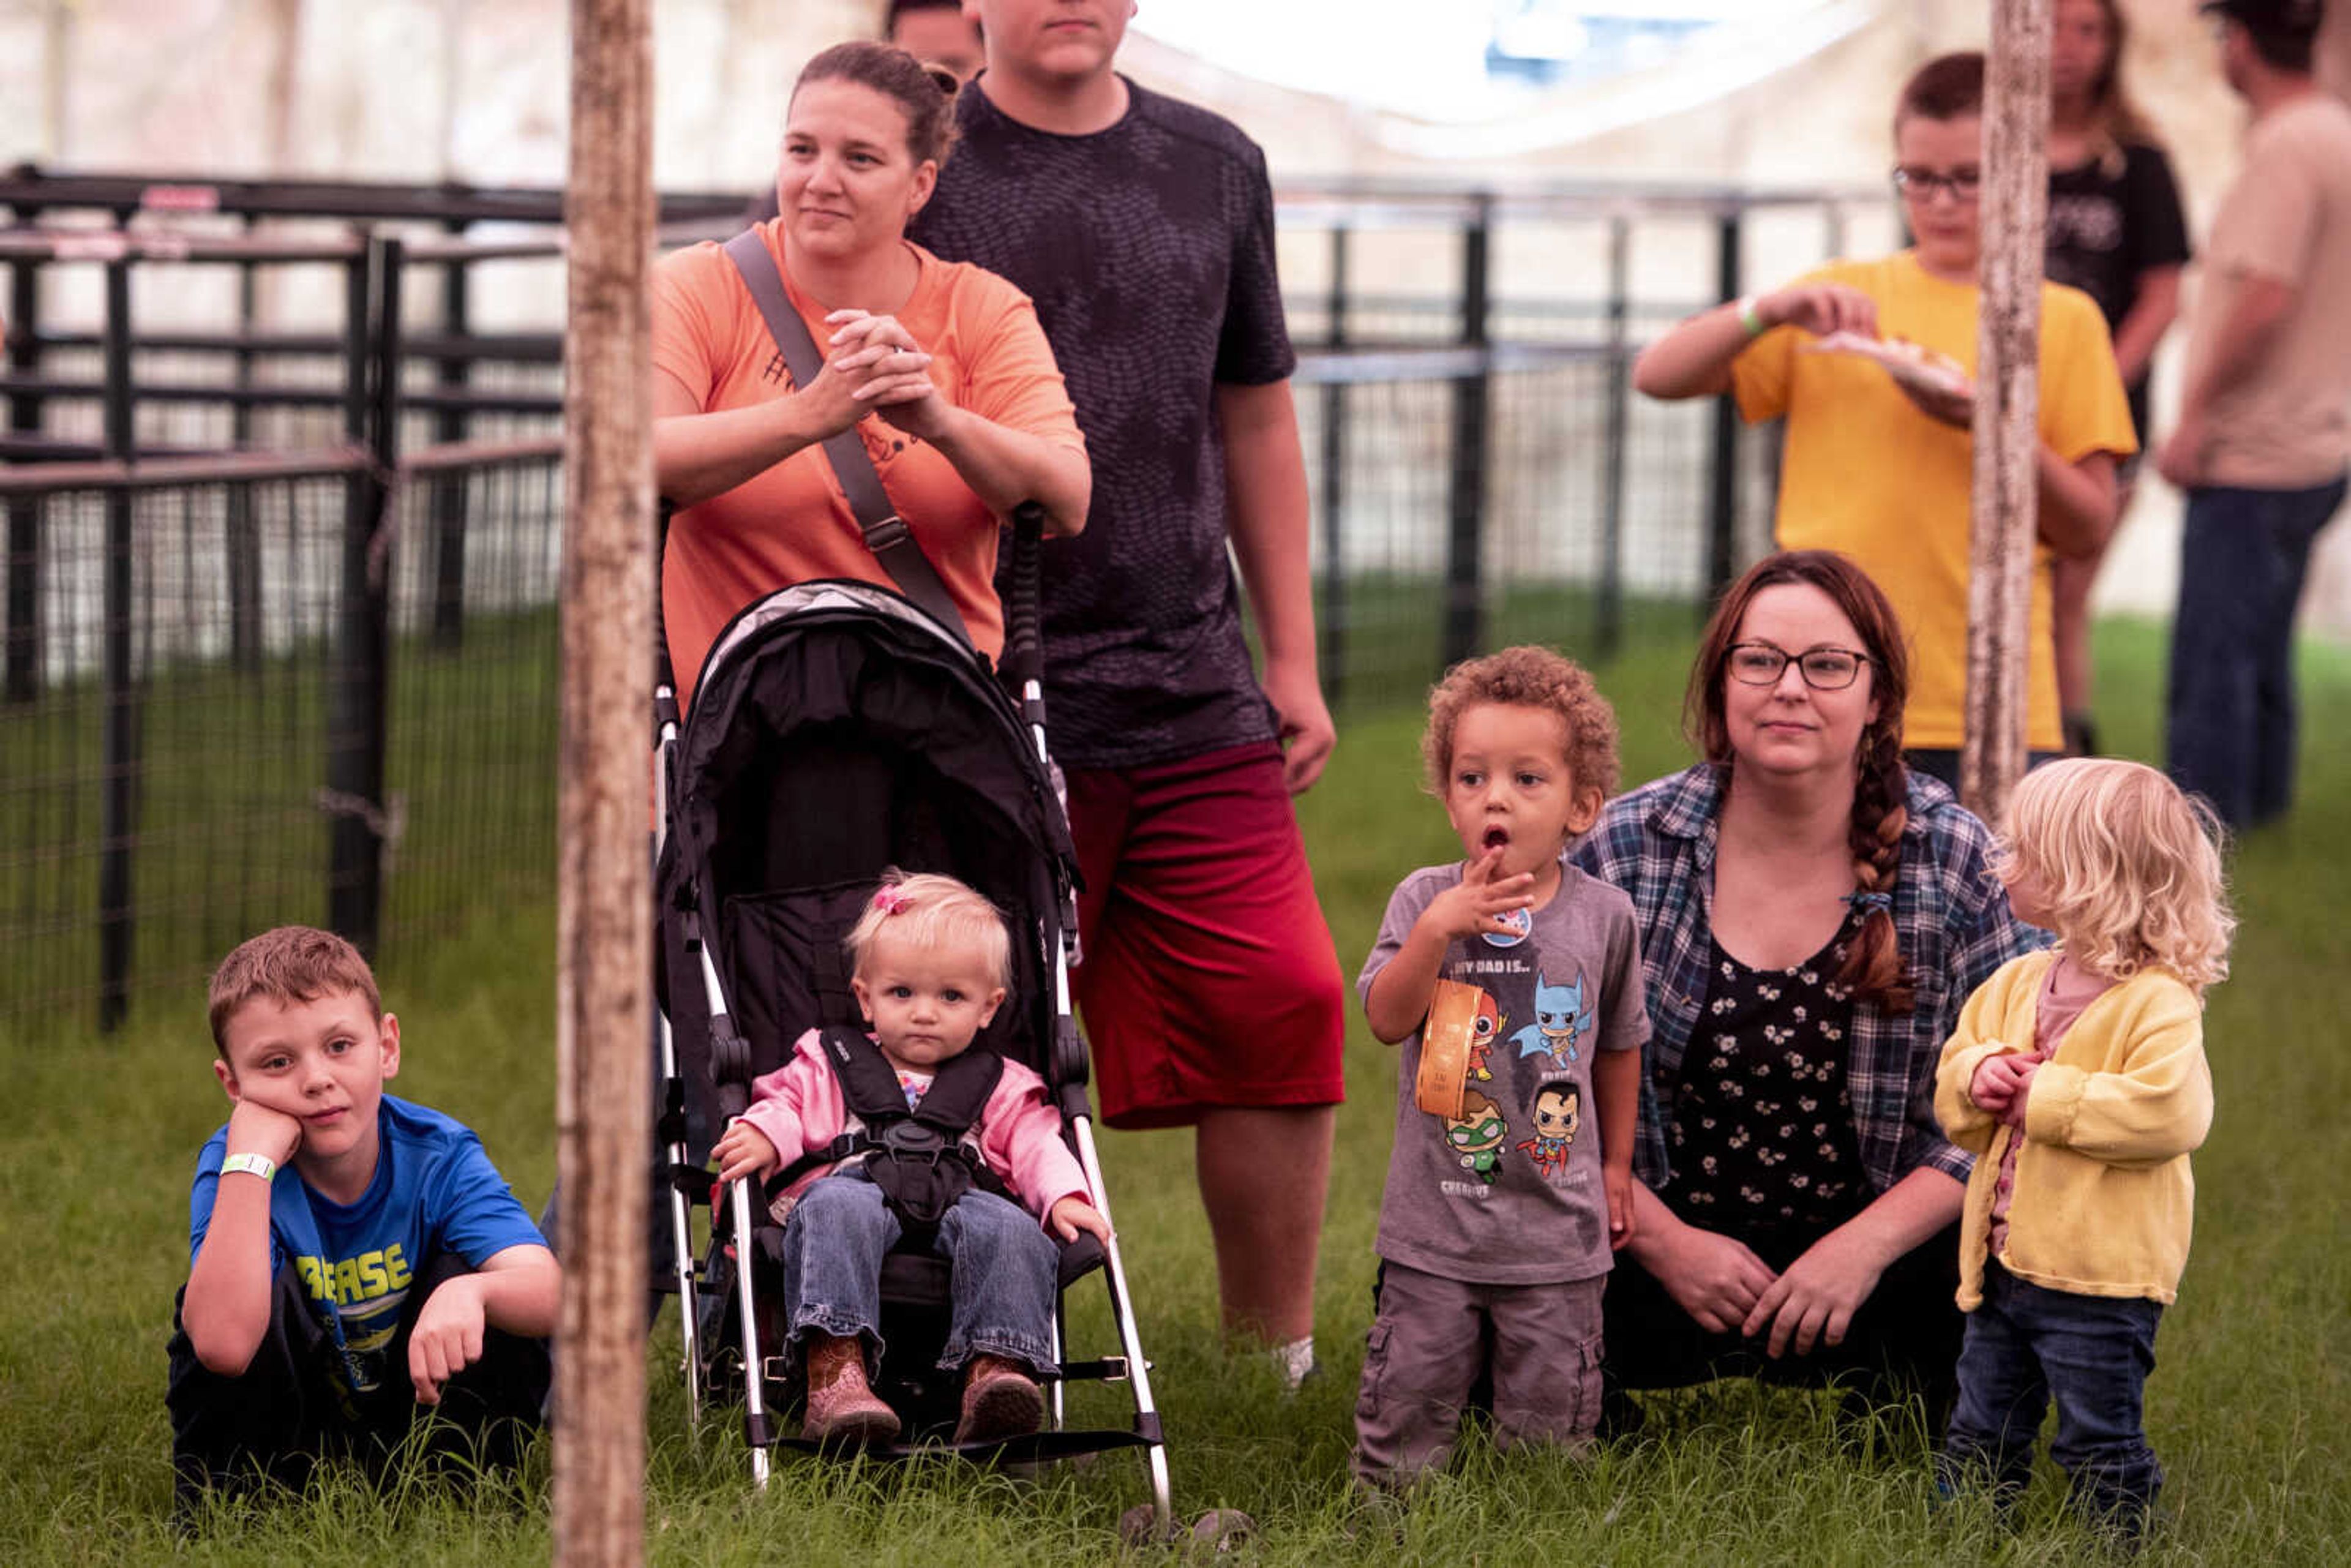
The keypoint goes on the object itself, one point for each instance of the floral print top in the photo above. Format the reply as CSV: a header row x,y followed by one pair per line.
x,y
1761,1124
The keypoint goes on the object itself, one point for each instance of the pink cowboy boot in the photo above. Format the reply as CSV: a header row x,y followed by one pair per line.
x,y
840,1409
1001,1400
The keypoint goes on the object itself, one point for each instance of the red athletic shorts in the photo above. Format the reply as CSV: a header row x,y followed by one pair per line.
x,y
1209,977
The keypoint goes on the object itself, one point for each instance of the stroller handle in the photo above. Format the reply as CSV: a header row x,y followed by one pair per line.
x,y
665,708
1024,658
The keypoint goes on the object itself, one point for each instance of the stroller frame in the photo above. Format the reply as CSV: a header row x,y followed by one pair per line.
x,y
692,1277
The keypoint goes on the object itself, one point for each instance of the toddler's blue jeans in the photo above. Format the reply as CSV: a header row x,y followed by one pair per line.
x,y
1002,1263
2026,1345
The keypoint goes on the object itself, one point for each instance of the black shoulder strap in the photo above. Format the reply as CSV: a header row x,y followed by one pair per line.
x,y
869,1084
959,1092
886,534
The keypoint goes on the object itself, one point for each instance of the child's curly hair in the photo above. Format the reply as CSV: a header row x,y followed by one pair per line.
x,y
2127,867
1526,676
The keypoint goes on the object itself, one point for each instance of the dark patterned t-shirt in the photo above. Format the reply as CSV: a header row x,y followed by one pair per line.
x,y
2111,221
1148,248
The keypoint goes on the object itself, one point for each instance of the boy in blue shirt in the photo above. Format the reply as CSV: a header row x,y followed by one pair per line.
x,y
354,1256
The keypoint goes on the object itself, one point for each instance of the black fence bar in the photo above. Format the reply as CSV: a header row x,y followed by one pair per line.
x,y
1463,598
1608,601
451,424
1334,622
356,710
119,791
241,543
1722,509
20,665
27,185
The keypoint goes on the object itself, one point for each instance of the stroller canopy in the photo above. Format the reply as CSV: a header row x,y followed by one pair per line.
x,y
838,730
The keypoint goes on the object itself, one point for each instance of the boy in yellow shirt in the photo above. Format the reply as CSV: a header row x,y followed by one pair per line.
x,y
1883,473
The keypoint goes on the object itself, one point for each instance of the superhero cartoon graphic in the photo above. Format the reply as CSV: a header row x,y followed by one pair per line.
x,y
1476,1136
1563,1015
1557,1116
1483,1031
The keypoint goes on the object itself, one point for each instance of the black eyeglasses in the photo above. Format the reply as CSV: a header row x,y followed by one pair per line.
x,y
1824,669
1913,180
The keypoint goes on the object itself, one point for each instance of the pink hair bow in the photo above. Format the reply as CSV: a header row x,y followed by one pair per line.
x,y
890,899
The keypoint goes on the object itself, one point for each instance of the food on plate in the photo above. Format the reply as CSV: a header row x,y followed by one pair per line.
x,y
1914,365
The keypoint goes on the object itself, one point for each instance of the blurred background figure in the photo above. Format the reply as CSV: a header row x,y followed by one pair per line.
x,y
2264,429
2116,232
937,33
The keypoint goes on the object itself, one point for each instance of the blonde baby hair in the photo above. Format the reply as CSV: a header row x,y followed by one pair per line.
x,y
2127,866
932,912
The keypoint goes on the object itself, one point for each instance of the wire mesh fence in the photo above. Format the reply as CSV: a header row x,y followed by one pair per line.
x,y
243,689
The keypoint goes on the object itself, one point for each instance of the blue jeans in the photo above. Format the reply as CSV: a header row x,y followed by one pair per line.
x,y
2026,1343
1003,1265
2230,734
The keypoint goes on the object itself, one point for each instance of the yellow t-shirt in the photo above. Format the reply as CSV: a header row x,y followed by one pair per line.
x,y
1864,473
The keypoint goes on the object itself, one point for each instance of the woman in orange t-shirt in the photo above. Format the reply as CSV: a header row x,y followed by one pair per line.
x,y
940,367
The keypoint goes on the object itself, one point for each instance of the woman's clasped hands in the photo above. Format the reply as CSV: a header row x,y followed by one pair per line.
x,y
873,365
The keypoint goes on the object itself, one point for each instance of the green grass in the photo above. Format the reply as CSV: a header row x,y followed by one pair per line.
x,y
2248,1407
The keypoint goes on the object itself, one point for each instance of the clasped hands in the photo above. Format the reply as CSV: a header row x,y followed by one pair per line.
x,y
1725,1288
2001,1084
873,365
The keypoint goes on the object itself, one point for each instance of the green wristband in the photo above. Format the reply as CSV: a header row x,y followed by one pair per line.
x,y
1750,318
261,1166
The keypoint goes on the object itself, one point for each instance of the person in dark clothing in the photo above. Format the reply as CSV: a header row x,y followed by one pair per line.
x,y
1812,913
2116,232
1143,229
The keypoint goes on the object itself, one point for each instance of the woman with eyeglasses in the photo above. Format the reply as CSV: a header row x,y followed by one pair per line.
x,y
1880,466
1812,915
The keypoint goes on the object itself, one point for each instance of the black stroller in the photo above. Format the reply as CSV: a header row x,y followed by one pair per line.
x,y
837,728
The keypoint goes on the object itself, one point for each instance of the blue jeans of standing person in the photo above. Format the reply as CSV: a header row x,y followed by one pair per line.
x,y
2230,734
2026,1345
1003,1265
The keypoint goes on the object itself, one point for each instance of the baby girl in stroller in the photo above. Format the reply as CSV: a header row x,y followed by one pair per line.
x,y
930,961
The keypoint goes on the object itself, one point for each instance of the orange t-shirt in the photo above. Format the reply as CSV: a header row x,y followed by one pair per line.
x,y
793,523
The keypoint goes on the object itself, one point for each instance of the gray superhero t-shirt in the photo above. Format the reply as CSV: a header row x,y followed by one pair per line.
x,y
1509,1194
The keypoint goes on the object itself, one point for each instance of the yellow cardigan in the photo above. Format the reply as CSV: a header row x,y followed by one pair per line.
x,y
2103,1200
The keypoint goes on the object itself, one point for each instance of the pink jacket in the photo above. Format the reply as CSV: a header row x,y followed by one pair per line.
x,y
799,1108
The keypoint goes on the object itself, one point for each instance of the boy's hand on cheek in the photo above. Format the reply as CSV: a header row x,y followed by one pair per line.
x,y
448,1338
256,1129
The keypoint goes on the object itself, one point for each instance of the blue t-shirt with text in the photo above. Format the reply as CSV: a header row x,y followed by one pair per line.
x,y
435,1190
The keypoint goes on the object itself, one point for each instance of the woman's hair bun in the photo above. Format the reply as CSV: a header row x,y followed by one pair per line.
x,y
946,81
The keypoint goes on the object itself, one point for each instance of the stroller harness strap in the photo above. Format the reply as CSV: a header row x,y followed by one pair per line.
x,y
886,534
925,1159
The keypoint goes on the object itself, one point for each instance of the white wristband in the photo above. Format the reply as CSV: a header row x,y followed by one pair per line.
x,y
261,1166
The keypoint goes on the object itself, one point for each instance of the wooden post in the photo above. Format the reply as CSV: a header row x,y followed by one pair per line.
x,y
604,901
2014,214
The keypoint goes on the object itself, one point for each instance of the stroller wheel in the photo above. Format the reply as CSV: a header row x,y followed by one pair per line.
x,y
1222,1530
1219,1531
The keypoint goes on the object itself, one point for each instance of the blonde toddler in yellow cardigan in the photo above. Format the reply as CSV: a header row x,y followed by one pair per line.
x,y
2077,1077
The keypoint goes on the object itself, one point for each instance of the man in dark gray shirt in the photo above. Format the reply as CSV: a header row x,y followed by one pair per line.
x,y
1142,228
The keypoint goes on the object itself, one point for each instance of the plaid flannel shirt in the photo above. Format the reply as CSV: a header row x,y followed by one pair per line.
x,y
1950,915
